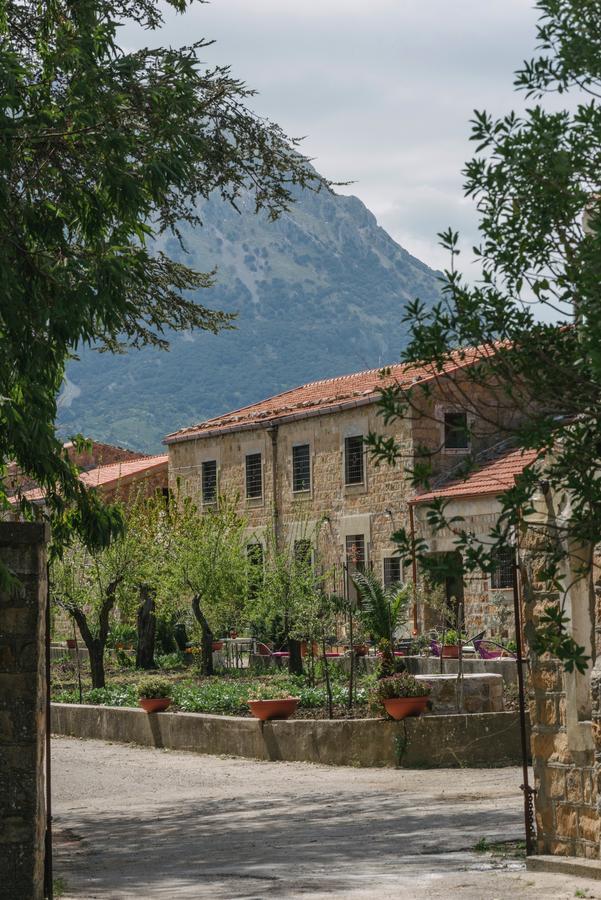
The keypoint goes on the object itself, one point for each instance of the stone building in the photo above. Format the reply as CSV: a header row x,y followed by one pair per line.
x,y
115,480
564,707
300,470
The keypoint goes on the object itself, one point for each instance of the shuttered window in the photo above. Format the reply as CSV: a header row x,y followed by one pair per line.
x,y
301,468
209,481
254,476
353,459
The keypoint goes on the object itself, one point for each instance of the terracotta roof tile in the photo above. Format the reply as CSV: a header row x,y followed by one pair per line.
x,y
496,473
105,476
323,396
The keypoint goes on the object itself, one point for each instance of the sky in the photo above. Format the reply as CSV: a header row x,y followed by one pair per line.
x,y
383,92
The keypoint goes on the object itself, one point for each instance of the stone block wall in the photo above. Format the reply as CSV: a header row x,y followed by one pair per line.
x,y
565,711
22,712
567,818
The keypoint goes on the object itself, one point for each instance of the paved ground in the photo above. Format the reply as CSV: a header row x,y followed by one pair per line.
x,y
145,823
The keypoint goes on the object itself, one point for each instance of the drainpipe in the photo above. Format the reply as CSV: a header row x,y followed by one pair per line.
x,y
275,515
528,791
414,568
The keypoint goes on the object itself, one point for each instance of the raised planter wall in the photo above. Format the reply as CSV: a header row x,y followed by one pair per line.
x,y
487,739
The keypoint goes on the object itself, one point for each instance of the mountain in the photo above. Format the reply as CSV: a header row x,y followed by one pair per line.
x,y
319,292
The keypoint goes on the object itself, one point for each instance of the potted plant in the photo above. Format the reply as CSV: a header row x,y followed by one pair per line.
x,y
154,694
451,642
271,701
71,644
401,695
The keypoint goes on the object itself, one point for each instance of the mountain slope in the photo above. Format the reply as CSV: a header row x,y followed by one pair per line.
x,y
320,292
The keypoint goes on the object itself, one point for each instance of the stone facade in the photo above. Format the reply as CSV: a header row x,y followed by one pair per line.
x,y
22,712
487,607
331,511
565,707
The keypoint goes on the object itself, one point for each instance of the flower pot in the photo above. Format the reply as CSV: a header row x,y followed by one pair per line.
x,y
71,644
154,704
450,651
361,650
217,645
401,707
273,709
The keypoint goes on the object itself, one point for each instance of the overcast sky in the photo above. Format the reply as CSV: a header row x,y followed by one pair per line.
x,y
382,89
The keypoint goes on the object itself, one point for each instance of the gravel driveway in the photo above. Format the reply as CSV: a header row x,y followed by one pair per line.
x,y
136,822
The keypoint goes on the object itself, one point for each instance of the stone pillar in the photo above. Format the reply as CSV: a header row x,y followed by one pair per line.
x,y
22,711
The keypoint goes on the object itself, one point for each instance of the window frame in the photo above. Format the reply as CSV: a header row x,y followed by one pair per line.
x,y
247,456
295,448
390,559
208,501
500,573
347,439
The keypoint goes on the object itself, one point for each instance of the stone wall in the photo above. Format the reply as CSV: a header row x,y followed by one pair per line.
x,y
485,608
565,708
375,509
486,739
22,712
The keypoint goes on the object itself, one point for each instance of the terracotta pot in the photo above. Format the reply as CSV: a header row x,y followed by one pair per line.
x,y
273,709
450,651
401,707
154,704
217,645
361,650
71,644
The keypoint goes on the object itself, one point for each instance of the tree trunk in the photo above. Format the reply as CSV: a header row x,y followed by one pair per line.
x,y
206,665
96,645
146,629
96,651
295,659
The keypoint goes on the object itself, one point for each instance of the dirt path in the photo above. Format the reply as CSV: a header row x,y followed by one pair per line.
x,y
144,823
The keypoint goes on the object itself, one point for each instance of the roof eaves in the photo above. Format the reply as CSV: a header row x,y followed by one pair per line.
x,y
277,419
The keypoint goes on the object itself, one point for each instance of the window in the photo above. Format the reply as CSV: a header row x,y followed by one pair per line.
x,y
301,468
355,551
456,436
303,553
502,577
209,481
254,476
392,570
353,459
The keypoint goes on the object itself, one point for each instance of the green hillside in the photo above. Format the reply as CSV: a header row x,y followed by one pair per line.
x,y
319,292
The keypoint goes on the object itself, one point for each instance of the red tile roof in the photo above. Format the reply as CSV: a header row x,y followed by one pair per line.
x,y
107,476
325,396
496,473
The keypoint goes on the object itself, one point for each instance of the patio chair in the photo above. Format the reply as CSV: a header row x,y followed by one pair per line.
x,y
486,653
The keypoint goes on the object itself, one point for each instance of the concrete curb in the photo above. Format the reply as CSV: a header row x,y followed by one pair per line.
x,y
477,740
565,865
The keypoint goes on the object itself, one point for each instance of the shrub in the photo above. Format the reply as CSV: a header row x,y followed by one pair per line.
x,y
171,661
401,685
269,691
153,688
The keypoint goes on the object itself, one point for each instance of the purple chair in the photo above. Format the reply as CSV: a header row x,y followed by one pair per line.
x,y
485,653
435,648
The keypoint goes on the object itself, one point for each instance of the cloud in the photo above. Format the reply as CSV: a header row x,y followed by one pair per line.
x,y
383,91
